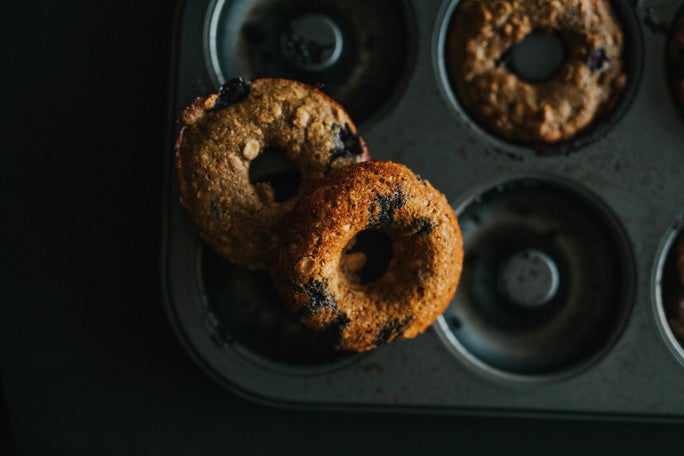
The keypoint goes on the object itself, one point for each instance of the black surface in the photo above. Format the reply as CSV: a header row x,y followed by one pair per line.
x,y
89,363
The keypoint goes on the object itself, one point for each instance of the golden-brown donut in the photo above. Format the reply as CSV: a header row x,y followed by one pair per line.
x,y
224,133
309,267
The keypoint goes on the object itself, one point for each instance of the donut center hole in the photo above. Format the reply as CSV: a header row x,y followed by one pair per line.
x,y
366,257
537,58
312,42
275,177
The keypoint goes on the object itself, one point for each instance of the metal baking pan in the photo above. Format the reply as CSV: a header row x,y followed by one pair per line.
x,y
578,232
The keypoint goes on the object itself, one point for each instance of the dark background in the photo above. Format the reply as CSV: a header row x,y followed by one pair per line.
x,y
88,362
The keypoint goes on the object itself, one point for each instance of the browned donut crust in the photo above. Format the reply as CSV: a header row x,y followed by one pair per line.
x,y
421,276
675,59
220,137
587,84
675,302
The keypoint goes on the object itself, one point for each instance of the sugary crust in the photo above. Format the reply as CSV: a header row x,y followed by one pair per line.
x,y
215,148
588,83
421,277
675,58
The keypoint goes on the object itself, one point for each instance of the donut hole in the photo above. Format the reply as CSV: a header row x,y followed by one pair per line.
x,y
274,176
366,257
537,58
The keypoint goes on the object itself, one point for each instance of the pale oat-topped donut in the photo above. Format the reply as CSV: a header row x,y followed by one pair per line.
x,y
420,279
224,133
586,85
675,58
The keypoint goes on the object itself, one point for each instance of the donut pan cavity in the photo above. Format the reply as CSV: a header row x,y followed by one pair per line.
x,y
560,309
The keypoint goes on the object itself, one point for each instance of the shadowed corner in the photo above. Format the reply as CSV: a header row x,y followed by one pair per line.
x,y
6,443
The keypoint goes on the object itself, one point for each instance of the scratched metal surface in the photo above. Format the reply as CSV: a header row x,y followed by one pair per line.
x,y
229,319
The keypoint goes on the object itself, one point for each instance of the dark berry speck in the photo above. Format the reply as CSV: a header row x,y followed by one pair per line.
x,y
422,226
597,59
392,329
232,91
382,209
319,298
347,144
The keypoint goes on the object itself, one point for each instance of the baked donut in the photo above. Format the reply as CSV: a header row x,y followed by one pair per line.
x,y
587,84
420,278
222,135
673,288
675,59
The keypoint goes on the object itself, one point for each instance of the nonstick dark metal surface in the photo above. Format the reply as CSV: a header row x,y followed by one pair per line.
x,y
602,212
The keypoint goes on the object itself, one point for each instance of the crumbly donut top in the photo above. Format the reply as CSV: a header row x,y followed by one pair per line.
x,y
587,84
421,277
215,148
